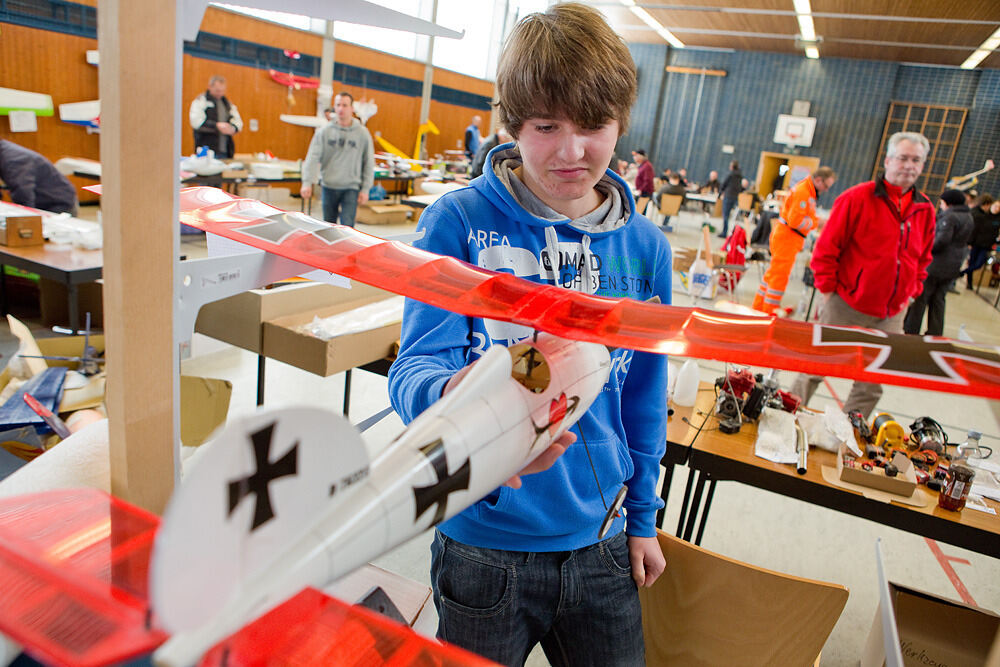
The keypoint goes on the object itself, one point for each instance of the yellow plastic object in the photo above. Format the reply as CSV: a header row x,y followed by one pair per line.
x,y
424,128
888,432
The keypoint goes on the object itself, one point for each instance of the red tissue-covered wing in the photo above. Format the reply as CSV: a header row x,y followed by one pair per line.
x,y
872,356
293,80
315,629
73,571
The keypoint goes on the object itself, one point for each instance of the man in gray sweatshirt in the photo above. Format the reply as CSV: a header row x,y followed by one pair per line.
x,y
341,158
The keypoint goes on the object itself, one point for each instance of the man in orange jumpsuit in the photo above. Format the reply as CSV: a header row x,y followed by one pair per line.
x,y
797,219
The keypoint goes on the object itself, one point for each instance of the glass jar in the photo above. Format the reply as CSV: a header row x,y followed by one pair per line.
x,y
956,487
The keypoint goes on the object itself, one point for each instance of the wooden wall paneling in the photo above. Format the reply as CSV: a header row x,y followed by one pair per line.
x,y
234,24
395,120
470,84
452,120
64,74
360,56
256,95
140,73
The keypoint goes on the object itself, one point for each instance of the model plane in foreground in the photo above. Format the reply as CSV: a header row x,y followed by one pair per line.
x,y
922,362
279,502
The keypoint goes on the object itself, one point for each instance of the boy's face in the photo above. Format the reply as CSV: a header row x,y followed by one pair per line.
x,y
562,162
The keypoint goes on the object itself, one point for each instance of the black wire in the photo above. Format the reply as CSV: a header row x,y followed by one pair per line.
x,y
587,449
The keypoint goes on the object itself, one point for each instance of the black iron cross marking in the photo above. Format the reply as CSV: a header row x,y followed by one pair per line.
x,y
265,473
282,225
914,356
437,494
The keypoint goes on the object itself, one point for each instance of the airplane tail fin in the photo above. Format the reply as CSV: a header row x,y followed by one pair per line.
x,y
254,490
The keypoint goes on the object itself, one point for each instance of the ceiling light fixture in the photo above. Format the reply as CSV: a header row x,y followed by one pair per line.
x,y
985,49
648,19
807,29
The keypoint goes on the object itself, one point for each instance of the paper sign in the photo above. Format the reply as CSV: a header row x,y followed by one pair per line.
x,y
23,121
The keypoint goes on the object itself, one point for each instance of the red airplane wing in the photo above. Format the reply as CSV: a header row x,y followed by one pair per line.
x,y
315,629
73,571
293,80
873,356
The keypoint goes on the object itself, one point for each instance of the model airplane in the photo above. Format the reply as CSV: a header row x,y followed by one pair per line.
x,y
970,179
288,499
86,114
23,100
923,362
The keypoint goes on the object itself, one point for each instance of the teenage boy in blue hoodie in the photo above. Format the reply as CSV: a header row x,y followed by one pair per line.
x,y
526,565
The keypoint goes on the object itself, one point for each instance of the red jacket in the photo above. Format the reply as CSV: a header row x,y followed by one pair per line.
x,y
644,179
874,258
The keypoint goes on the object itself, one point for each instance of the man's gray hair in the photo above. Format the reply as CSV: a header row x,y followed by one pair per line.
x,y
218,78
912,137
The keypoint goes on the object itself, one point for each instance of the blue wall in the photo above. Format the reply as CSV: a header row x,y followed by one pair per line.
x,y
849,98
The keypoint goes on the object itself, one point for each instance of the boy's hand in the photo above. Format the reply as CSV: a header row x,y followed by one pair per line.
x,y
544,460
647,559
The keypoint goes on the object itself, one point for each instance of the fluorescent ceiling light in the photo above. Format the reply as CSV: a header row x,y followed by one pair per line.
x,y
985,49
806,28
802,7
812,52
648,19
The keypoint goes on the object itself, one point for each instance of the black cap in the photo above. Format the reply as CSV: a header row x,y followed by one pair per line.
x,y
953,197
640,152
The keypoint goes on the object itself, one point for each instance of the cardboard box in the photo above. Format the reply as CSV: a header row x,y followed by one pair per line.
x,y
281,341
383,214
21,230
902,484
204,407
923,629
235,173
239,319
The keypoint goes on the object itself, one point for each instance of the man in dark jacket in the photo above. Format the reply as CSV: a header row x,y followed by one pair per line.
x,y
494,140
871,259
215,119
730,190
951,234
985,225
33,180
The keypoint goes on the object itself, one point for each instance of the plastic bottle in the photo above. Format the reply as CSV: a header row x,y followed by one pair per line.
x,y
686,388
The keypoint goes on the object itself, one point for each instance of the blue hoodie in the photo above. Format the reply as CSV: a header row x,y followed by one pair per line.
x,y
497,223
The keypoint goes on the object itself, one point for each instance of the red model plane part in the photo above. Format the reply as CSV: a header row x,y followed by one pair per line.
x,y
74,568
873,356
314,629
293,80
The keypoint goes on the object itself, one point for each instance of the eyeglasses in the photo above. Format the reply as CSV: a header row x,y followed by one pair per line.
x,y
913,159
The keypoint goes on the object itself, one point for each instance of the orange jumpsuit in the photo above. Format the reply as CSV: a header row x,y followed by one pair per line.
x,y
797,219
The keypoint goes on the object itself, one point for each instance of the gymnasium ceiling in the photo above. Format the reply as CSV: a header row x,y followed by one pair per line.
x,y
933,32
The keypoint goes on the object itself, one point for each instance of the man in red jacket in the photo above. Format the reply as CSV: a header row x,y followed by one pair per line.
x,y
644,178
871,258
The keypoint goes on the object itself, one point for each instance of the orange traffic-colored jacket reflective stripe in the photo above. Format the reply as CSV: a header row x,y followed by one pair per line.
x,y
799,211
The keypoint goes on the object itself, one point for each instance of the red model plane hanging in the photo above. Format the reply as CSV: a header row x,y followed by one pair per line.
x,y
925,362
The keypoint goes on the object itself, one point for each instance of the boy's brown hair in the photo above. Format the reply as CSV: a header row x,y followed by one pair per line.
x,y
565,62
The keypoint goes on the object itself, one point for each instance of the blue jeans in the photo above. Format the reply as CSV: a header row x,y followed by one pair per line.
x,y
582,605
345,200
977,259
727,206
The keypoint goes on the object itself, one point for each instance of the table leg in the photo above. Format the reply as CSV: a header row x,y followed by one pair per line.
x,y
684,503
668,476
704,512
3,288
261,359
73,299
347,392
693,513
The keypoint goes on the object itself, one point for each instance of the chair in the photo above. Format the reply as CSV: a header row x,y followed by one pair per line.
x,y
706,609
671,204
640,205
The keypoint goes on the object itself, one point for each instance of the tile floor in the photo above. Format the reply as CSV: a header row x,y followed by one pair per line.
x,y
804,540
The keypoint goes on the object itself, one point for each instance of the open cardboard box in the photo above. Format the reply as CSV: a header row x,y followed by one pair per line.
x,y
238,320
281,341
902,484
915,628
